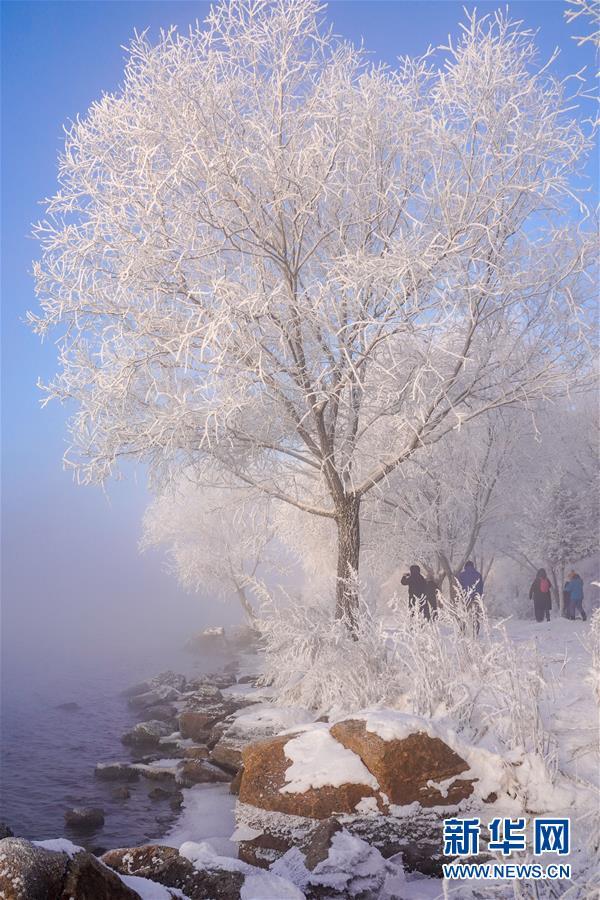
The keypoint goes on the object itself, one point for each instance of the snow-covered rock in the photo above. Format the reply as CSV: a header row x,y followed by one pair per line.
x,y
346,867
146,733
409,768
198,872
306,775
56,869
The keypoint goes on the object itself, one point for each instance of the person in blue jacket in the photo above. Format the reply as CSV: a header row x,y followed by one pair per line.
x,y
471,583
574,590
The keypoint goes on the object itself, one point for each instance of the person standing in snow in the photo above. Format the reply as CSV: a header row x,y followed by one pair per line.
x,y
575,593
539,592
471,583
417,590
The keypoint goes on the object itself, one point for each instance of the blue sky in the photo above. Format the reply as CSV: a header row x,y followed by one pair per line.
x,y
67,549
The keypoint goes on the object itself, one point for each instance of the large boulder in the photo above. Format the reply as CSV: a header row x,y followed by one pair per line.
x,y
166,866
198,720
339,782
417,767
31,872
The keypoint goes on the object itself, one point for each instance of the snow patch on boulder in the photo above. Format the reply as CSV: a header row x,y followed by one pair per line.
x,y
319,760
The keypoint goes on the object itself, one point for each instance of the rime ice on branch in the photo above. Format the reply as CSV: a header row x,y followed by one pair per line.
x,y
271,258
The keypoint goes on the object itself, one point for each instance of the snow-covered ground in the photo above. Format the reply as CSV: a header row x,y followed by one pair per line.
x,y
560,652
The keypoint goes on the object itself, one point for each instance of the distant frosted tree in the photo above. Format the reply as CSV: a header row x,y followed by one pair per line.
x,y
218,538
560,528
556,497
444,507
271,255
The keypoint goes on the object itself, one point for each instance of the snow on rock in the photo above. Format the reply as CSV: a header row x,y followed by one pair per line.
x,y
351,868
150,890
257,885
275,781
319,760
58,870
60,845
489,771
265,720
264,886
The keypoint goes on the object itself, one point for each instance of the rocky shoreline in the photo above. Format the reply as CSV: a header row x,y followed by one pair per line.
x,y
323,810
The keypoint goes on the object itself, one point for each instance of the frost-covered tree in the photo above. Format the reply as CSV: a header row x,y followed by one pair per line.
x,y
560,525
555,498
585,13
270,255
219,539
444,506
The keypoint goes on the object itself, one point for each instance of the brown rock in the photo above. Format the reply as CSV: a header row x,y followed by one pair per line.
x,y
234,787
121,793
197,725
116,772
316,846
262,851
198,771
165,866
403,768
265,764
84,818
199,752
28,872
227,753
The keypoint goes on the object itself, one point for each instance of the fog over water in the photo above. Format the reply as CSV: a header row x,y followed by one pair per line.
x,y
84,615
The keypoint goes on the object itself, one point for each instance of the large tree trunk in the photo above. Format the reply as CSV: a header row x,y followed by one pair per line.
x,y
346,598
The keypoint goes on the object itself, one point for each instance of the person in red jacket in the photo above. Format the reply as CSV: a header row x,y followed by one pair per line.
x,y
540,593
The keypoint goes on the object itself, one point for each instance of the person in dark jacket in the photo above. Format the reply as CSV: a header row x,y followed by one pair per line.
x,y
471,583
540,593
431,594
575,594
417,590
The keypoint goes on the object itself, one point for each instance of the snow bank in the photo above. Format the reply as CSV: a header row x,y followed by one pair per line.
x,y
319,760
207,815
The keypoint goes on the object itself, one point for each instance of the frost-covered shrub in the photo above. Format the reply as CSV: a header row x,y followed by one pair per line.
x,y
438,669
593,642
312,660
478,680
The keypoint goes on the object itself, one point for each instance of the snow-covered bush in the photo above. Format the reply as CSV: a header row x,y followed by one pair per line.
x,y
479,681
312,660
593,642
440,669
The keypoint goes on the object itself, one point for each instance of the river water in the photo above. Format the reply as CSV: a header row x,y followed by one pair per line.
x,y
49,754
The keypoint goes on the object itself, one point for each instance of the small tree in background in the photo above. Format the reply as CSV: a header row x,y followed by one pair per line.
x,y
271,257
219,539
